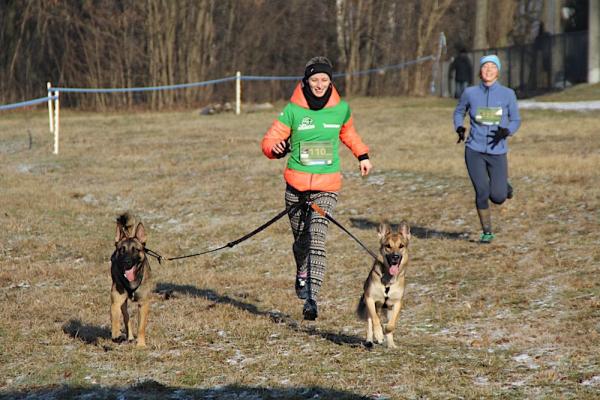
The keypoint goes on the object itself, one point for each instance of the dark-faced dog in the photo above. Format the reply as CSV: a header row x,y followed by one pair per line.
x,y
131,279
384,288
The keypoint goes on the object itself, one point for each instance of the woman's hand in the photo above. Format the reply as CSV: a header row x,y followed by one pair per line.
x,y
280,149
365,167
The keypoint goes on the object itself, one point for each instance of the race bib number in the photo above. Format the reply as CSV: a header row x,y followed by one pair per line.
x,y
489,115
316,153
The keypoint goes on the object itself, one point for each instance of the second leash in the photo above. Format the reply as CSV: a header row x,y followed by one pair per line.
x,y
325,214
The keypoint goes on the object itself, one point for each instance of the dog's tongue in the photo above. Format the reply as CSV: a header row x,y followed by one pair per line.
x,y
394,269
130,274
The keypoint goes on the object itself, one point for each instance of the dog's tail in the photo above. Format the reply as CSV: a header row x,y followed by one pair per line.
x,y
361,309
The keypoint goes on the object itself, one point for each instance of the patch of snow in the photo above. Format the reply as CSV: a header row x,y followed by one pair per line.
x,y
560,106
593,381
481,381
89,199
526,360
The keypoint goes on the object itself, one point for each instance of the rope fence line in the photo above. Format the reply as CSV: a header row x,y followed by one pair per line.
x,y
386,67
236,77
240,77
54,92
27,103
142,89
341,74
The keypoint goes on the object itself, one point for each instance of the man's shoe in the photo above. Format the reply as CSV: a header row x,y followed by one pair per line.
x,y
310,310
486,237
509,191
301,288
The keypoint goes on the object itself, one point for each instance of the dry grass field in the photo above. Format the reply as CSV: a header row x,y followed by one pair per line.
x,y
517,319
581,92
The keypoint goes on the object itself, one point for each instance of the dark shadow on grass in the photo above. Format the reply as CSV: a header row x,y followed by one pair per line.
x,y
417,231
168,289
86,333
152,390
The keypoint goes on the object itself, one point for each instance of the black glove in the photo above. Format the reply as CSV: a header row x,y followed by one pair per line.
x,y
461,133
500,134
285,151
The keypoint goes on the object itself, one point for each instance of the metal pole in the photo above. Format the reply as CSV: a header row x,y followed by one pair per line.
x,y
238,92
435,67
593,73
50,119
56,122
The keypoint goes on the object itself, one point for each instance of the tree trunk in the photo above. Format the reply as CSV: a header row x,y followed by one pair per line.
x,y
481,17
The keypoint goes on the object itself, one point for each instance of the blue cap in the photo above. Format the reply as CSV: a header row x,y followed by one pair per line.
x,y
490,58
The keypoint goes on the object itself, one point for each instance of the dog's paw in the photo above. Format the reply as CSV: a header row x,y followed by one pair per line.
x,y
118,339
378,335
389,341
368,345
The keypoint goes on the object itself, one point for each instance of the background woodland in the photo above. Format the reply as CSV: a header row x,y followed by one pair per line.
x,y
129,43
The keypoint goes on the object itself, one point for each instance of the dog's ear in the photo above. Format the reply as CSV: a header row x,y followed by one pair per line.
x,y
120,234
404,229
123,223
140,233
383,230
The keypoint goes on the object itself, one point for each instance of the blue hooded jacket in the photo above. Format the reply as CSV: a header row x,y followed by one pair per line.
x,y
489,107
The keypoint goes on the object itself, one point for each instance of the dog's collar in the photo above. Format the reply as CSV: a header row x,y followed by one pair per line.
x,y
388,282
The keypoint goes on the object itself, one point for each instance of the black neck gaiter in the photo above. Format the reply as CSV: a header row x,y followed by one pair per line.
x,y
314,102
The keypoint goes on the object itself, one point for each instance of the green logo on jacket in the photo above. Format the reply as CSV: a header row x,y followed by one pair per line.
x,y
307,123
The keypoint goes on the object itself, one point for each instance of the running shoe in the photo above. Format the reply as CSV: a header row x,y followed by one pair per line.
x,y
310,310
486,237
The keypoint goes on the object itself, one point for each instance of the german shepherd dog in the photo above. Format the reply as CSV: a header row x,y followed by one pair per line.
x,y
131,279
384,287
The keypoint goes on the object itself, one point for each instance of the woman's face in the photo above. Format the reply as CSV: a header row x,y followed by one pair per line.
x,y
319,83
489,73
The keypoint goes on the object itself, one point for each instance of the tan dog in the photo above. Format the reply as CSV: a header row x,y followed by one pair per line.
x,y
384,288
131,279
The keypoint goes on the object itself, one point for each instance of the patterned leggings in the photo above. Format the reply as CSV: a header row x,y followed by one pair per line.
x,y
310,232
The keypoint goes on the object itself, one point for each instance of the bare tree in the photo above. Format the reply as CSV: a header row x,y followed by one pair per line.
x,y
481,24
500,26
126,43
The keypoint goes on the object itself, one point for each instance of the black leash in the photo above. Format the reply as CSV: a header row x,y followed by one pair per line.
x,y
325,214
240,240
153,254
292,208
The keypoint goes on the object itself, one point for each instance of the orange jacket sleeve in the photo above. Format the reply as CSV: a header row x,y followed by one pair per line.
x,y
350,138
276,133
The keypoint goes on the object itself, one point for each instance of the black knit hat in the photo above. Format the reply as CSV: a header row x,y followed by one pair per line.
x,y
317,65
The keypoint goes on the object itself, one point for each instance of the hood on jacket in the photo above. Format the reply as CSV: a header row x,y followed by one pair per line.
x,y
299,99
